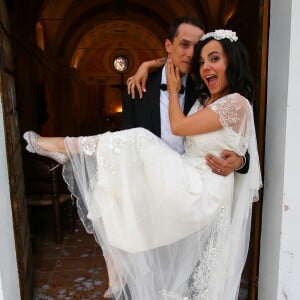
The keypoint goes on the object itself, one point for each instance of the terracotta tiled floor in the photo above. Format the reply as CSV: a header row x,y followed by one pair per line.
x,y
74,269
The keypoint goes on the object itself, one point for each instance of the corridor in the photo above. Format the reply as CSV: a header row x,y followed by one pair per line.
x,y
74,269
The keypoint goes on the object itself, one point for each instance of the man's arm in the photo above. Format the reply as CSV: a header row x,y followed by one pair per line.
x,y
245,166
228,163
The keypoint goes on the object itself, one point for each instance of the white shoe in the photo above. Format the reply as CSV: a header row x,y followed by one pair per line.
x,y
112,292
32,137
108,294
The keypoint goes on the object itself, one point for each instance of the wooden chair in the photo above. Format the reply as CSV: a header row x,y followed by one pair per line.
x,y
44,186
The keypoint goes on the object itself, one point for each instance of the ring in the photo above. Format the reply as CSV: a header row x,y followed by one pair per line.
x,y
218,170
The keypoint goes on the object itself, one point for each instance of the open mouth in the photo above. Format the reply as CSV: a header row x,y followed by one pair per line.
x,y
211,80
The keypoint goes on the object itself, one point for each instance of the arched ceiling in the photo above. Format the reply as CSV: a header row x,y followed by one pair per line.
x,y
109,39
76,31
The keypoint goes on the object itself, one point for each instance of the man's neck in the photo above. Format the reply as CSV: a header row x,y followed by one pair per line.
x,y
182,76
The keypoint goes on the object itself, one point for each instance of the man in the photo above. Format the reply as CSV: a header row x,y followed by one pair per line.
x,y
152,111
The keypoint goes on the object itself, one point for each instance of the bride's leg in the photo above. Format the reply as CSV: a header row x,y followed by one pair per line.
x,y
112,277
116,282
52,144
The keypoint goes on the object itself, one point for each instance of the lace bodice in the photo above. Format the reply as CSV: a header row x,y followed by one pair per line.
x,y
234,113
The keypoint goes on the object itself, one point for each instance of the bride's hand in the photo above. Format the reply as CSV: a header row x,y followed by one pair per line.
x,y
138,81
173,78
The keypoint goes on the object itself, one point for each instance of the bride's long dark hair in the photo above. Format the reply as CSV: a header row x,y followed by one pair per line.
x,y
238,70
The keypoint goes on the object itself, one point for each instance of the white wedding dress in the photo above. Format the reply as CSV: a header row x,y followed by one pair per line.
x,y
169,227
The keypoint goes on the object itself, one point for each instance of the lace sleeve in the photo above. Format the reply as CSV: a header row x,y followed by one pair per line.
x,y
234,112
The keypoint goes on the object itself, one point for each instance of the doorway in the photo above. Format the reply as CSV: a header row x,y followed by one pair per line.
x,y
69,49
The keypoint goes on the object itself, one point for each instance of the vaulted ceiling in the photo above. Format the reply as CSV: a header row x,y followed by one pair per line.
x,y
86,35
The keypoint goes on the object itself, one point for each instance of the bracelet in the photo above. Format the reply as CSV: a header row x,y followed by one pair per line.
x,y
173,97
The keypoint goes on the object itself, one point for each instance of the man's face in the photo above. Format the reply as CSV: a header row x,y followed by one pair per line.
x,y
181,50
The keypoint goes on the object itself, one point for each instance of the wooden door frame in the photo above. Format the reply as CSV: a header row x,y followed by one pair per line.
x,y
13,144
260,110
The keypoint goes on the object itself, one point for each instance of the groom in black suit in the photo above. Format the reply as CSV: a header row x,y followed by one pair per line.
x,y
147,112
151,112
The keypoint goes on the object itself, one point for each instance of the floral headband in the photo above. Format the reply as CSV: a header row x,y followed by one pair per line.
x,y
221,34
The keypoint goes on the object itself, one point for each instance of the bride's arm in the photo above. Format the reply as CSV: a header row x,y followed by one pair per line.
x,y
200,122
139,79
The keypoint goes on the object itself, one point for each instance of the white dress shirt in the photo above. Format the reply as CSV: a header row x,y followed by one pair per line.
x,y
176,142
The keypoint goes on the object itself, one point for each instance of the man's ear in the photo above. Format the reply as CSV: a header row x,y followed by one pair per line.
x,y
168,46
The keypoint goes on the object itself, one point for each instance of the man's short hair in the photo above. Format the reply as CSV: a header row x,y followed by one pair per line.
x,y
184,20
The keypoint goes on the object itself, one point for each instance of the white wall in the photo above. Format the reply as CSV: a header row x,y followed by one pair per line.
x,y
279,274
9,281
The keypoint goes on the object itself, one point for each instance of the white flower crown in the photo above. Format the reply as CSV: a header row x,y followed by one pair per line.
x,y
221,34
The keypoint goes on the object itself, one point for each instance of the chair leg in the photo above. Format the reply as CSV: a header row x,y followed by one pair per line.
x,y
57,220
70,218
74,212
32,235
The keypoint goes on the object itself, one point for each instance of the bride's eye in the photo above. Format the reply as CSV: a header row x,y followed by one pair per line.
x,y
214,58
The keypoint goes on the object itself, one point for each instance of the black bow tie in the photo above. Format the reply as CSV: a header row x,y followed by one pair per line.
x,y
164,87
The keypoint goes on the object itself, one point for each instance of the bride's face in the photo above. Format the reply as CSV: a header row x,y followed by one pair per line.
x,y
213,65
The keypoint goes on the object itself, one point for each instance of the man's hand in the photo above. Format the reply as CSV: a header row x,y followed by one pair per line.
x,y
228,162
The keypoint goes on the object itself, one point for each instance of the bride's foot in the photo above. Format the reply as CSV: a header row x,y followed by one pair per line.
x,y
32,137
108,294
112,292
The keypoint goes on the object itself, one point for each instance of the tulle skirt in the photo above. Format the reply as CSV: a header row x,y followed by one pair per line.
x,y
167,225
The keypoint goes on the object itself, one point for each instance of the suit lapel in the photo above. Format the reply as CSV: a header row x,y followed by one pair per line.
x,y
154,100
190,95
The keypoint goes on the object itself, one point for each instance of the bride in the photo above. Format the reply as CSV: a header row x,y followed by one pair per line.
x,y
169,227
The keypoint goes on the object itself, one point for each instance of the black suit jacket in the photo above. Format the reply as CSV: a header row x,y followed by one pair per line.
x,y
145,112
